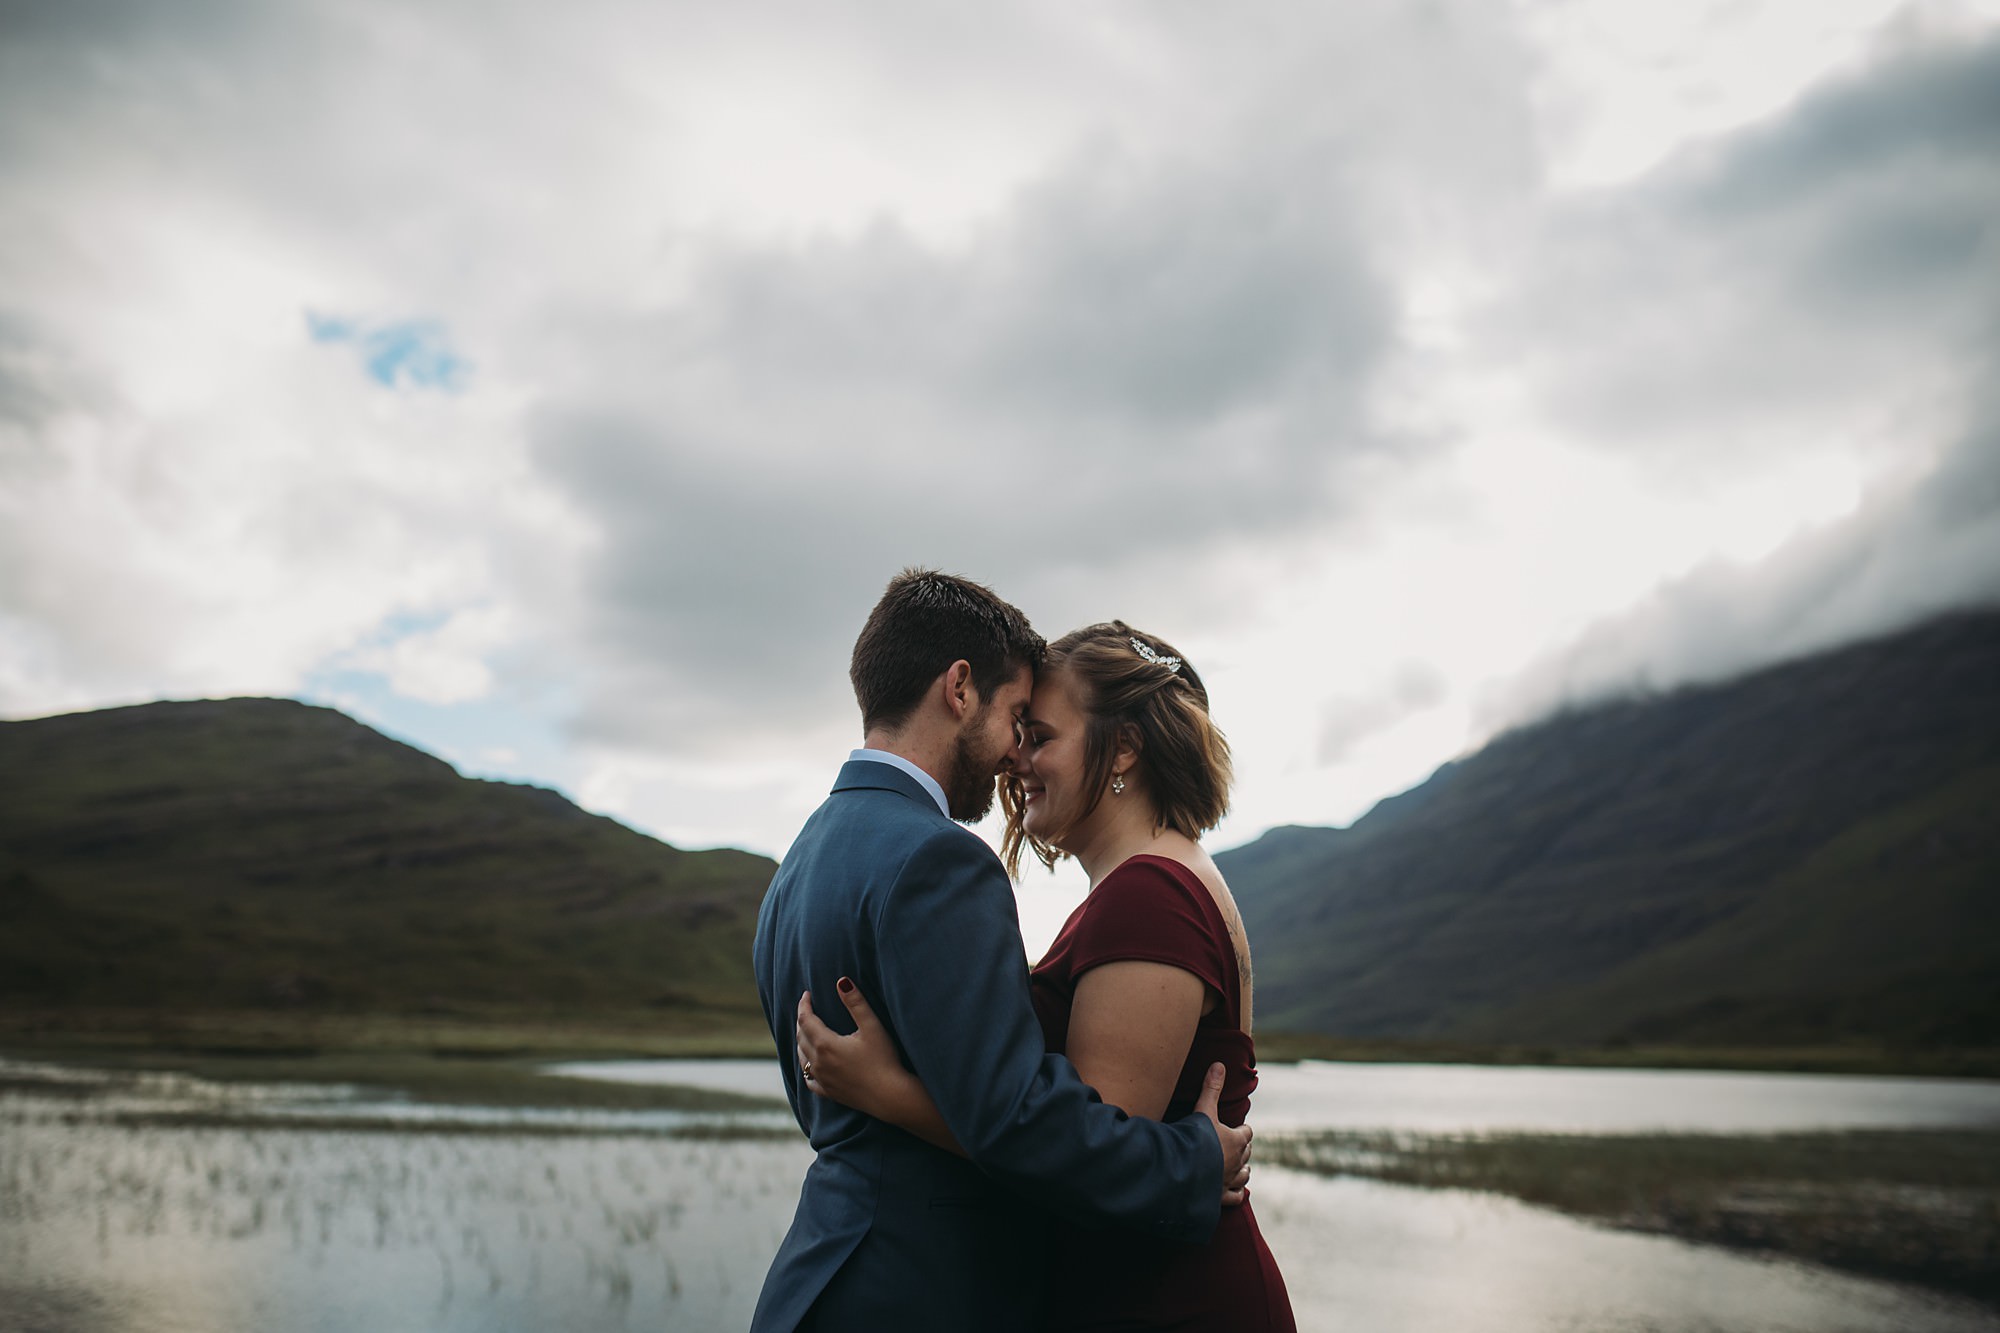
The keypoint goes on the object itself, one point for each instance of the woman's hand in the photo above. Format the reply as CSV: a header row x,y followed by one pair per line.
x,y
865,1071
862,1070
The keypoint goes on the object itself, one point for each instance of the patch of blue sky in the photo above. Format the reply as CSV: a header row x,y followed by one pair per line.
x,y
499,738
414,353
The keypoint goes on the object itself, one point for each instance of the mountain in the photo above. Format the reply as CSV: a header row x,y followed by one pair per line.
x,y
1803,856
256,852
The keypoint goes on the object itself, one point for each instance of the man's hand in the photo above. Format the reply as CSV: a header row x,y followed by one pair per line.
x,y
1235,1142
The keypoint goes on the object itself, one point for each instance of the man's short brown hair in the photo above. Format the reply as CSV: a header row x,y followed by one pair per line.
x,y
925,621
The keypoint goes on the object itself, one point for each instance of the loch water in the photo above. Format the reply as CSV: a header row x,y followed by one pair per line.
x,y
172,1206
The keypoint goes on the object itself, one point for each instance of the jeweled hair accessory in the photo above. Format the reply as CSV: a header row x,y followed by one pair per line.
x,y
1172,664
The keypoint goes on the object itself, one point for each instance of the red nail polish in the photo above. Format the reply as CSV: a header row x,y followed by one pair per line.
x,y
845,985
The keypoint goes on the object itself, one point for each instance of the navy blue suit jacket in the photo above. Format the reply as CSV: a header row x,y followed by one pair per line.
x,y
890,1232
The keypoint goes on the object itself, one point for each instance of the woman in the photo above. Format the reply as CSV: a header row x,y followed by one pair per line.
x,y
1148,982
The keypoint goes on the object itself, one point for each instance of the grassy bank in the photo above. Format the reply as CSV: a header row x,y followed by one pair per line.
x,y
466,1032
1857,1058
474,1059
437,1079
1918,1206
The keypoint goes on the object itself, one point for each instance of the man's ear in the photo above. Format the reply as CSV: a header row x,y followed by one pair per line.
x,y
960,696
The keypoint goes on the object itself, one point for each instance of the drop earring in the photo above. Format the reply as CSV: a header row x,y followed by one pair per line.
x,y
1117,784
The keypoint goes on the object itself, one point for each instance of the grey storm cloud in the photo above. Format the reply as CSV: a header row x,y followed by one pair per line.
x,y
1169,328
1351,719
1783,282
1139,294
1839,266
1170,348
1919,552
40,380
1141,364
1165,346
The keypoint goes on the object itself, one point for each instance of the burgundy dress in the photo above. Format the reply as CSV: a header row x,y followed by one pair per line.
x,y
1153,909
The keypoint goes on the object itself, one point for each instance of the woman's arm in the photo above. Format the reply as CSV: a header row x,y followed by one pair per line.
x,y
1130,1026
863,1070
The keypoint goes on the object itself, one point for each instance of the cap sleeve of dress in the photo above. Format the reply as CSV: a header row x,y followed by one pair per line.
x,y
1145,912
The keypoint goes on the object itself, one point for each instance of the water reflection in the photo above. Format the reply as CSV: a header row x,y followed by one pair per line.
x,y
1362,1255
108,1226
1479,1099
219,1230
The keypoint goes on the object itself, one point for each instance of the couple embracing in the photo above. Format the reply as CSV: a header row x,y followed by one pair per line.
x,y
999,1149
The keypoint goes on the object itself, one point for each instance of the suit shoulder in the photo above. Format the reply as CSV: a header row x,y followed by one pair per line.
x,y
888,832
949,841
944,854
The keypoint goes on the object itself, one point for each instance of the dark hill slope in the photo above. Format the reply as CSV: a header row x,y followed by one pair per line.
x,y
1809,854
245,852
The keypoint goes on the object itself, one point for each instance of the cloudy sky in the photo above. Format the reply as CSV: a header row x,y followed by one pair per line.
x,y
557,386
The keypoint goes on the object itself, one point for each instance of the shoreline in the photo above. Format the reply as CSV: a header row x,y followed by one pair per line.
x,y
1859,1060
501,1034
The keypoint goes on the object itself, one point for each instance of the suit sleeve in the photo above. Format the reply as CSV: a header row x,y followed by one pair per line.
x,y
955,990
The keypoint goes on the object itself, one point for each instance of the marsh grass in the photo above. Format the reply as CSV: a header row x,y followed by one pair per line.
x,y
486,1059
410,1075
476,1229
461,1032
456,1081
452,1082
1920,1206
239,1118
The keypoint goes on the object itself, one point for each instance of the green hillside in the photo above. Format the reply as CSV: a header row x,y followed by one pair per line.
x,y
1807,855
250,854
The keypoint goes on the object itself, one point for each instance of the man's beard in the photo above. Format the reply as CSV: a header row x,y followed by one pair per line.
x,y
969,785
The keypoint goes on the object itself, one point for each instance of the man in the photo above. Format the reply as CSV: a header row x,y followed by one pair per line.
x,y
883,887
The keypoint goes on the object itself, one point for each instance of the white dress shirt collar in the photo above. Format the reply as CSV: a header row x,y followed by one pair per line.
x,y
930,784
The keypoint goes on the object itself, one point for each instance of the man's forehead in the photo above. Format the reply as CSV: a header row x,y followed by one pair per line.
x,y
1018,690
